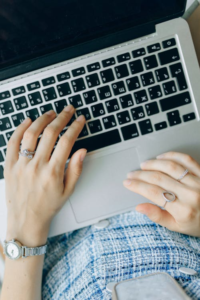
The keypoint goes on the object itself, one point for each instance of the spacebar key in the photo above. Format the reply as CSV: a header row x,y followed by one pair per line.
x,y
97,141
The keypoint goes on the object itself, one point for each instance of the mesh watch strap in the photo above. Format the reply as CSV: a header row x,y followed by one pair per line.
x,y
33,251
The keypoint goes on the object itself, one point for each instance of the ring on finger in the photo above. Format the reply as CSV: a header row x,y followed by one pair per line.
x,y
166,199
183,175
27,153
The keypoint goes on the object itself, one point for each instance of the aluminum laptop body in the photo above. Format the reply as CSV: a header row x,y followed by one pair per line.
x,y
153,105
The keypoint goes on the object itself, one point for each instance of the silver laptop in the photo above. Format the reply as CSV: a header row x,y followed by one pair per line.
x,y
129,66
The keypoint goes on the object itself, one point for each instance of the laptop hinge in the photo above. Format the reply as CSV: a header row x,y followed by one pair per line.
x,y
78,50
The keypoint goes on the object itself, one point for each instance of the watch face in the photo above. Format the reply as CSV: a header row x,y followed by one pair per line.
x,y
12,250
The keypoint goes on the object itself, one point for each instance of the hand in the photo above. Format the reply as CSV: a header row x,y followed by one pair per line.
x,y
37,188
159,175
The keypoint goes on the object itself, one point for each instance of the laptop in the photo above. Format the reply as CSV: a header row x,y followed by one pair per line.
x,y
129,66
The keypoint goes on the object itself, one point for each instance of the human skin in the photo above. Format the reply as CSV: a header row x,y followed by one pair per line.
x,y
37,189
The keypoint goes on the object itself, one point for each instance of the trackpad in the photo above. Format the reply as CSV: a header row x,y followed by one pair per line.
x,y
100,191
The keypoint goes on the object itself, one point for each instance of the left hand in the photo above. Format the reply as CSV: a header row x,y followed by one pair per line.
x,y
161,174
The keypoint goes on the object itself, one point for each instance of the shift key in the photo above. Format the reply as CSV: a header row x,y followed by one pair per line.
x,y
175,101
97,141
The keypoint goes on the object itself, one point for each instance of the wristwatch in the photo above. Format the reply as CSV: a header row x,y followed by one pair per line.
x,y
14,250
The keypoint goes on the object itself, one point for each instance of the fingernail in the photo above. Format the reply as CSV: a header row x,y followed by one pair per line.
x,y
69,108
80,118
26,120
50,112
127,182
83,156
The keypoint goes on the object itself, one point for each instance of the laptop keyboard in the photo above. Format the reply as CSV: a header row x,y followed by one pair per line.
x,y
118,96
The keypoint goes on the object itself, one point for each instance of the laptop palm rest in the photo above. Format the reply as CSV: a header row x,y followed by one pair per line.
x,y
100,191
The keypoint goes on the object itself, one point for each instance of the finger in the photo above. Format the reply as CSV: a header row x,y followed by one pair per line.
x,y
30,137
51,133
13,147
185,160
153,193
162,180
157,215
171,168
74,171
66,142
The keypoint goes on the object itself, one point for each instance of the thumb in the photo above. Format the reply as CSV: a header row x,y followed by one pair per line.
x,y
74,171
157,215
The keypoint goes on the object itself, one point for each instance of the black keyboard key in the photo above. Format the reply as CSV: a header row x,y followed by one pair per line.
x,y
19,90
126,101
84,132
78,71
78,85
145,126
137,113
90,97
123,117
5,124
20,103
141,96
136,66
108,62
189,117
33,114
112,105
45,108
109,122
9,134
169,87
162,74
35,98
169,56
1,172
63,76
96,142
107,75
133,83
147,79
93,67
49,94
178,73
123,57
92,80
129,132
6,107
76,101
169,43
17,119
73,118
60,105
150,62
33,86
48,81
2,141
121,71
139,52
85,112
118,88
98,110
63,89
104,92
174,118
4,95
1,160
161,125
175,101
95,126
154,48
152,108
155,92
5,150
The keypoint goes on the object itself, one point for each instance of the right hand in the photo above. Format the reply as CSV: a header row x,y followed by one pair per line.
x,y
37,189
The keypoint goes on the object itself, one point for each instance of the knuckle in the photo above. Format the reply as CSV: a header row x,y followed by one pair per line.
x,y
157,177
29,134
50,131
65,140
78,171
172,167
153,190
196,197
190,214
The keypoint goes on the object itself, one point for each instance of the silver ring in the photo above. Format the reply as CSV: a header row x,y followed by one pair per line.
x,y
27,153
167,200
183,175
